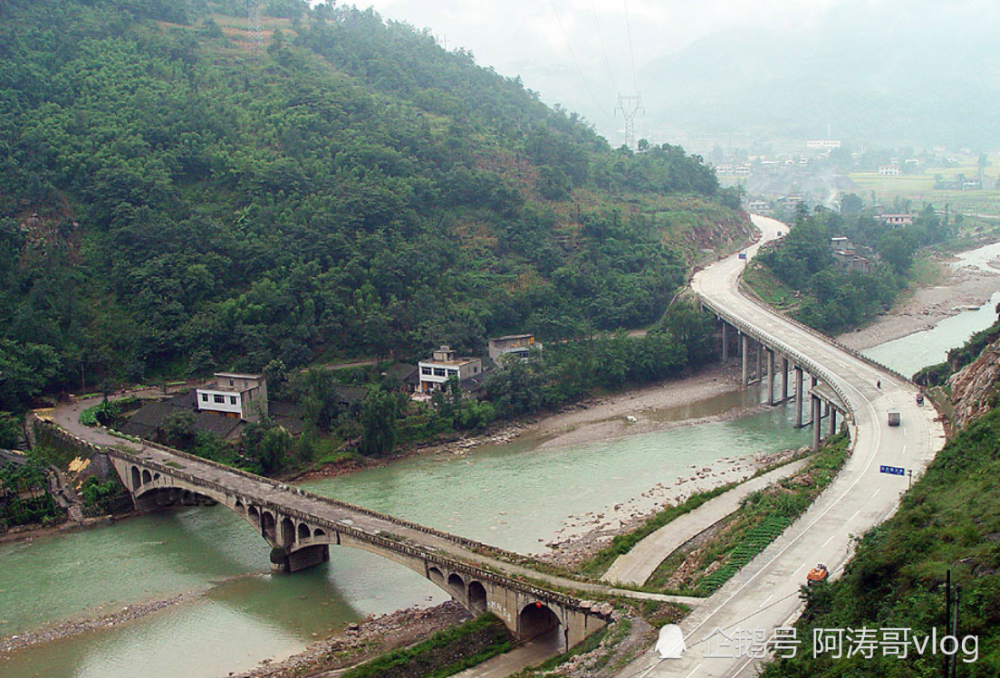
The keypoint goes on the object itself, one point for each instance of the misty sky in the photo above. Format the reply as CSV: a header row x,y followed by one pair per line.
x,y
533,38
577,52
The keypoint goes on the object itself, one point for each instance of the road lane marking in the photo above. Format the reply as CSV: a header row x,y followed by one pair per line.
x,y
854,516
827,542
765,601
875,493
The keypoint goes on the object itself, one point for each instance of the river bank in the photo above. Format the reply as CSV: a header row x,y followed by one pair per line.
x,y
964,288
365,640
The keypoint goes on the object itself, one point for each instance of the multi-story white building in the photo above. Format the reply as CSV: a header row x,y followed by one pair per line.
x,y
444,365
242,396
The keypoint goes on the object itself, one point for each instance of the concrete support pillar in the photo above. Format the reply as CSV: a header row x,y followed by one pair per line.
x,y
745,351
800,401
833,421
725,341
770,377
816,413
784,380
760,351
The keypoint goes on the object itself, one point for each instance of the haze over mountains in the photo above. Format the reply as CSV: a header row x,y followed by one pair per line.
x,y
919,73
877,72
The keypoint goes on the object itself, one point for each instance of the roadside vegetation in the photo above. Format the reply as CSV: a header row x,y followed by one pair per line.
x,y
595,566
948,521
703,565
443,654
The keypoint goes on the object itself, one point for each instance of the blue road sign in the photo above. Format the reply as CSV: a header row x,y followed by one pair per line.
x,y
892,470
743,255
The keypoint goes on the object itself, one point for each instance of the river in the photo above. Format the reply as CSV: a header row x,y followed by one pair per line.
x,y
915,351
514,496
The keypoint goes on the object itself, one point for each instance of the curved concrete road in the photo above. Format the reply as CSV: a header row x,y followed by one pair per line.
x,y
764,595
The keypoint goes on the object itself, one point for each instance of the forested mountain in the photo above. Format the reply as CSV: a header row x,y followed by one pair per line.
x,y
172,200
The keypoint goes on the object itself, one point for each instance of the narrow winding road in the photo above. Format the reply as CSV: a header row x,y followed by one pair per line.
x,y
764,595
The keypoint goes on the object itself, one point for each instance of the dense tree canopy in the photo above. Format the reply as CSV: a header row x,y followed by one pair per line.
x,y
172,202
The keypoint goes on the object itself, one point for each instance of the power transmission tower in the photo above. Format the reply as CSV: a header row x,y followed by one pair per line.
x,y
630,105
254,28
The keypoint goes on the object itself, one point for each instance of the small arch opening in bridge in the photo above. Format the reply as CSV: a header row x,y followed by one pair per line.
x,y
147,477
477,597
156,476
240,508
436,576
254,515
536,620
304,532
287,532
267,526
319,532
456,586
136,478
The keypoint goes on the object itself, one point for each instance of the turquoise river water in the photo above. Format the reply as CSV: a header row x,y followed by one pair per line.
x,y
234,613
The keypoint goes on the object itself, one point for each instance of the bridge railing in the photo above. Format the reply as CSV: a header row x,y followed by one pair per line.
x,y
752,296
463,541
334,526
800,359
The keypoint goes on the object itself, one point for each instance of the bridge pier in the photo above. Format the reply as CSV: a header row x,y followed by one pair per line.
x,y
285,562
833,421
744,352
770,377
816,415
784,379
800,401
760,353
725,341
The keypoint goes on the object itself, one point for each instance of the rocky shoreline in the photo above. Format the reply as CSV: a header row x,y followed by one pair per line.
x,y
74,628
362,641
582,536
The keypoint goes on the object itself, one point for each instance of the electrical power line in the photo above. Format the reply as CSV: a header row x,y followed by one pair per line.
x,y
572,53
631,51
604,48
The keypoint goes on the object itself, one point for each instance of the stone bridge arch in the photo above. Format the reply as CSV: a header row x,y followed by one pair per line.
x,y
299,541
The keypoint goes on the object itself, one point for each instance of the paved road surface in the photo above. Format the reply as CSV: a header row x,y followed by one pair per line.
x,y
765,594
636,566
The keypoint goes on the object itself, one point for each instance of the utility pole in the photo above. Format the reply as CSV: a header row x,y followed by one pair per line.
x,y
630,105
254,27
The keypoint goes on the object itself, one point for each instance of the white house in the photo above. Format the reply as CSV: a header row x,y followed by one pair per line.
x,y
443,365
241,396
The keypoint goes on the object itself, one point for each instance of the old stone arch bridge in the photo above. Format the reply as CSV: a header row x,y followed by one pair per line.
x,y
300,527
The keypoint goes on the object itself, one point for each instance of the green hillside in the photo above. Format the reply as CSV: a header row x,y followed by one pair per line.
x,y
172,200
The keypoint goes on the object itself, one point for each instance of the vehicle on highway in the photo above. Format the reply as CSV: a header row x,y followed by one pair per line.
x,y
894,419
920,399
817,575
